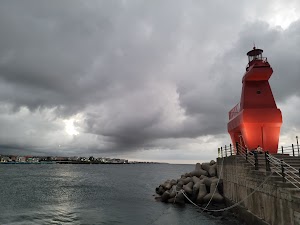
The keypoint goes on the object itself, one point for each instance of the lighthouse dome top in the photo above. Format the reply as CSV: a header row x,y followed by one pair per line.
x,y
255,52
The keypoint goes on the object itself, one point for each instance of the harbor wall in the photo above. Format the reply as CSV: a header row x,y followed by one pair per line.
x,y
273,203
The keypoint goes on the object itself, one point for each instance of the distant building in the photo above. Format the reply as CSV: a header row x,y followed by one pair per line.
x,y
61,158
91,158
32,159
21,159
5,159
105,160
83,159
74,158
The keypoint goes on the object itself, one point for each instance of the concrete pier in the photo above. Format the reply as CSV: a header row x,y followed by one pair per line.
x,y
275,203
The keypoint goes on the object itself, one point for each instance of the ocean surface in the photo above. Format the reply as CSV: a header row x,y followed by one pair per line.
x,y
92,194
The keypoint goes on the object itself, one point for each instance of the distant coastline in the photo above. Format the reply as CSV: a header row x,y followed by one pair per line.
x,y
15,159
74,162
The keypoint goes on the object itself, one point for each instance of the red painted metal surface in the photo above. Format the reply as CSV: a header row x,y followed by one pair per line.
x,y
256,120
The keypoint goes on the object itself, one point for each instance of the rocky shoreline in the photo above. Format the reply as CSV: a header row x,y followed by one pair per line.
x,y
201,186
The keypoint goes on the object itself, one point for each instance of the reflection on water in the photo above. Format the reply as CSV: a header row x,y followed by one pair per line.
x,y
60,214
91,194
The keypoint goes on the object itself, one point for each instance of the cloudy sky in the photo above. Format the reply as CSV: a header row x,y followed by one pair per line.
x,y
143,80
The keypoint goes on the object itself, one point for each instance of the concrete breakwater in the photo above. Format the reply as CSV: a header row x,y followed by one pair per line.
x,y
252,195
264,197
201,186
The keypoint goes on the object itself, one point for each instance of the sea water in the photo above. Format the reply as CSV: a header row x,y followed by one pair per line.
x,y
92,194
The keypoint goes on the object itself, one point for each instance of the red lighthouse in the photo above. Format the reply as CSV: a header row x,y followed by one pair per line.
x,y
256,120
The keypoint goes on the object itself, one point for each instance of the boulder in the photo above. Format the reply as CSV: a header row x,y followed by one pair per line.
x,y
188,188
203,176
210,168
212,162
173,182
168,186
198,166
207,181
195,190
173,191
179,198
160,190
165,184
199,172
197,185
201,194
216,197
195,179
169,183
179,186
205,166
187,174
165,196
185,180
212,171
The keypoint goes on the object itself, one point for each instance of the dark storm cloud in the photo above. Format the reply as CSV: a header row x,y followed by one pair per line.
x,y
74,55
138,75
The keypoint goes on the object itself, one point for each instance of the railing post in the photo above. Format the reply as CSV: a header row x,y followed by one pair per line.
x,y
237,148
282,171
230,146
297,144
255,161
221,152
267,161
293,149
225,151
282,149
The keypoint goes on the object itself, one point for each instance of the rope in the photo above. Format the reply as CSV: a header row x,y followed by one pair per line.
x,y
175,195
216,186
234,205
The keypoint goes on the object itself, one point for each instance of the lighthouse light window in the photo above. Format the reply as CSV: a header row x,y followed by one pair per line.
x,y
258,92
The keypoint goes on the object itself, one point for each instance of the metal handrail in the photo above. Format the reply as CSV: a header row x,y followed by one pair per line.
x,y
290,178
290,150
286,164
288,173
244,152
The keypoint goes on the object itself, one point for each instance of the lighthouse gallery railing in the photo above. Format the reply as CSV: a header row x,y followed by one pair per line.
x,y
234,111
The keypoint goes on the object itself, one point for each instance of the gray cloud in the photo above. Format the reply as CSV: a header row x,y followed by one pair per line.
x,y
133,75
